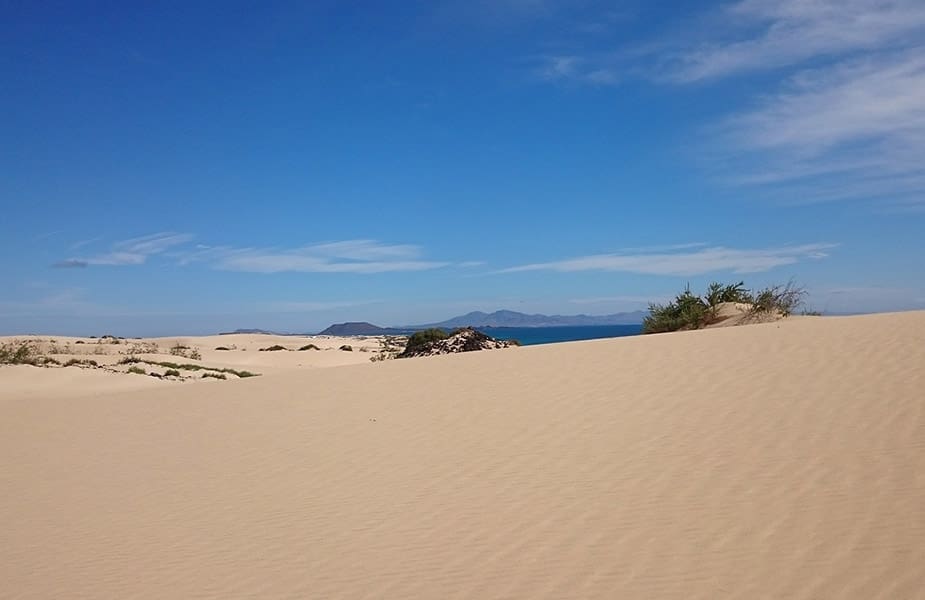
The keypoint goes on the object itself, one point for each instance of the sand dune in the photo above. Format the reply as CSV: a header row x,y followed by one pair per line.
x,y
782,460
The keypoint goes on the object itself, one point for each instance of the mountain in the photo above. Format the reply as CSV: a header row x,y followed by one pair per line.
x,y
360,328
251,331
510,318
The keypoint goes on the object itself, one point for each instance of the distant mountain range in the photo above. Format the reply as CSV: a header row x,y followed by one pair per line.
x,y
510,318
500,318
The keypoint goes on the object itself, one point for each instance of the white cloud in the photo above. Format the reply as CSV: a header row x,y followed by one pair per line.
x,y
351,256
790,32
134,251
853,130
696,262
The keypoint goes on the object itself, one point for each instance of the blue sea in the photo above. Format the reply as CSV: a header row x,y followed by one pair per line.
x,y
529,336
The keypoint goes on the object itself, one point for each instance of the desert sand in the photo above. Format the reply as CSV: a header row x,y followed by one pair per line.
x,y
779,460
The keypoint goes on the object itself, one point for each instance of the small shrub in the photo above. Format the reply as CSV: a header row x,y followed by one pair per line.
x,y
419,338
81,362
686,311
18,353
171,373
137,370
155,375
79,342
214,375
309,347
222,348
275,348
185,351
346,348
784,299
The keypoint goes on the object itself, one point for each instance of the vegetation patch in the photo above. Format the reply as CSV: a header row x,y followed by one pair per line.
x,y
274,348
171,373
690,311
185,352
81,362
24,353
176,367
346,348
137,370
214,376
309,347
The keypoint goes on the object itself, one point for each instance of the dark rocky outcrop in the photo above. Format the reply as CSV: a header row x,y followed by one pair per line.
x,y
461,340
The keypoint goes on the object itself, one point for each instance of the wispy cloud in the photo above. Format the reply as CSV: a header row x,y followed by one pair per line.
x,y
842,111
134,251
686,263
351,256
577,69
770,34
855,129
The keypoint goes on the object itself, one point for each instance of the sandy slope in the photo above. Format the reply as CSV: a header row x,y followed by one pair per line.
x,y
240,351
783,460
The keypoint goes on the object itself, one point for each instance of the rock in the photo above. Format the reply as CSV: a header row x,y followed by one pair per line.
x,y
461,340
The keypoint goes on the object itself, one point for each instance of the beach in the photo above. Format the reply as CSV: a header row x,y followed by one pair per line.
x,y
776,460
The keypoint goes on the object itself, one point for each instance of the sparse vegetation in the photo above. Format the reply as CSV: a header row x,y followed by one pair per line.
x,y
214,375
784,299
18,353
222,348
689,311
137,370
309,347
171,373
185,352
176,367
274,348
24,353
346,348
81,362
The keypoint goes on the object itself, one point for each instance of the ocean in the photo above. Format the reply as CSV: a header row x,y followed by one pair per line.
x,y
529,336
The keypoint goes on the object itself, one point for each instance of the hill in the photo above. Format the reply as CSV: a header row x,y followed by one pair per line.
x,y
355,328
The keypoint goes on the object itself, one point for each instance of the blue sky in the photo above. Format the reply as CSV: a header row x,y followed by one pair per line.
x,y
191,168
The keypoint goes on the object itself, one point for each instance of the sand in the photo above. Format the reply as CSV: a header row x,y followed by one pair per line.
x,y
781,460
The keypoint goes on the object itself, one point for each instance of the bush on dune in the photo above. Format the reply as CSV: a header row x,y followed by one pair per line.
x,y
689,311
425,336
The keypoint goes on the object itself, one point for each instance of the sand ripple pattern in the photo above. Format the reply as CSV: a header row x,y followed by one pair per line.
x,y
771,461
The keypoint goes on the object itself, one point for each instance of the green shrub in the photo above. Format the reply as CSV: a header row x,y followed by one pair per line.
x,y
309,347
346,348
275,348
222,348
214,375
137,370
425,336
171,373
686,311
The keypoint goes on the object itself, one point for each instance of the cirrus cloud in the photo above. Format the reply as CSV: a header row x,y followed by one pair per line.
x,y
686,263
